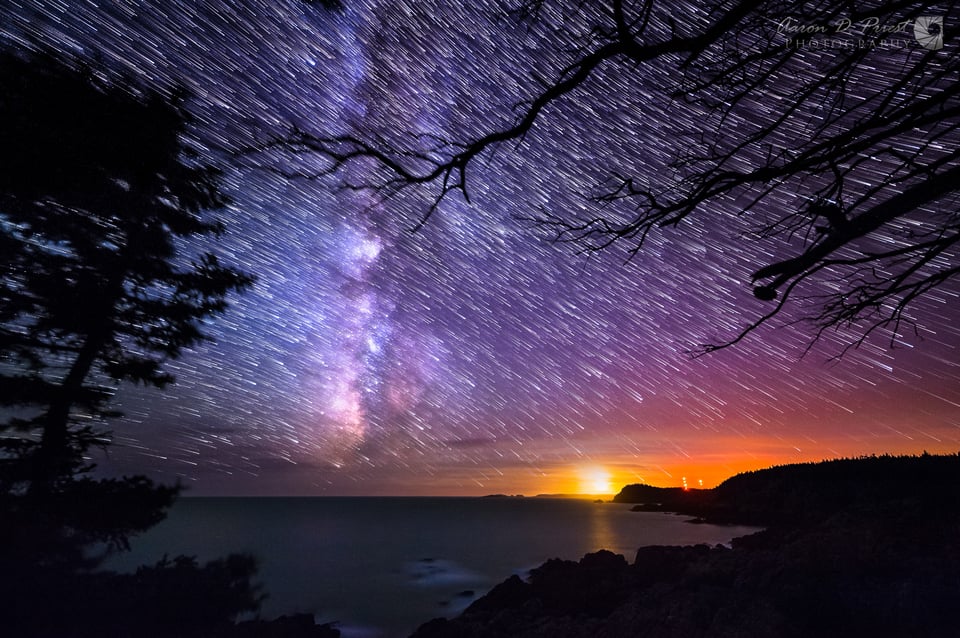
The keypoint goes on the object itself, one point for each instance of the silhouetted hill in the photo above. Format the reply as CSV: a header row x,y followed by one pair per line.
x,y
805,492
858,547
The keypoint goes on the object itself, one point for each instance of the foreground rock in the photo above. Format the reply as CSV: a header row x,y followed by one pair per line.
x,y
295,626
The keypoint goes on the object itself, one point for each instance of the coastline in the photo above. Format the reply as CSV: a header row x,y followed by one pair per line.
x,y
364,560
873,551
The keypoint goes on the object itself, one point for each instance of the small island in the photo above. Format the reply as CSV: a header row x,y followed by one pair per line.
x,y
852,547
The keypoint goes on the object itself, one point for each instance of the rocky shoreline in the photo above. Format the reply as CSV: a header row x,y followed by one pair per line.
x,y
860,547
873,552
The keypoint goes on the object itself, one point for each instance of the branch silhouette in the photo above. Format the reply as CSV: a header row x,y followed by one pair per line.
x,y
779,117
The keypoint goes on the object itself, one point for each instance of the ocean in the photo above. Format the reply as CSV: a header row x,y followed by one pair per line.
x,y
383,566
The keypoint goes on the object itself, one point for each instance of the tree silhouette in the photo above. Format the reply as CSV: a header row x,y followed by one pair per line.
x,y
830,126
101,205
98,191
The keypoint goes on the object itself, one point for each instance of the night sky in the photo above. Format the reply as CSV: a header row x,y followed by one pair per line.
x,y
474,356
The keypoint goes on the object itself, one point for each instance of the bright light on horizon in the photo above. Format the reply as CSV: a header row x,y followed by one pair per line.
x,y
595,480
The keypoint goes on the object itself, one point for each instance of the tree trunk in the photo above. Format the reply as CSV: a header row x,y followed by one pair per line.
x,y
54,457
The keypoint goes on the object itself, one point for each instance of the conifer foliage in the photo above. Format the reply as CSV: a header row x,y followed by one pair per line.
x,y
99,194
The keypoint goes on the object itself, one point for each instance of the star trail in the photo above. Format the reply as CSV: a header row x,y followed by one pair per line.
x,y
475,355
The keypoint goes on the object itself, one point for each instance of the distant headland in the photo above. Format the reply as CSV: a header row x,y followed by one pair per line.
x,y
805,492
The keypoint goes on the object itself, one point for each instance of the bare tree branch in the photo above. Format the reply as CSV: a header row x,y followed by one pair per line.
x,y
861,158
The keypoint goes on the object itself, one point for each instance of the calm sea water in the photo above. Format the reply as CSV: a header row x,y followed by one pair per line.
x,y
383,566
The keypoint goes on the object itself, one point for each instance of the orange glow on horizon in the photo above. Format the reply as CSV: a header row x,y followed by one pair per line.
x,y
608,477
704,461
594,480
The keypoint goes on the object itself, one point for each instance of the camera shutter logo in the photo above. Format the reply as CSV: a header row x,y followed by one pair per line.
x,y
928,30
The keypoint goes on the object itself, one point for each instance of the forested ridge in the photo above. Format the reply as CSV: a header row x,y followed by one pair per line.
x,y
804,492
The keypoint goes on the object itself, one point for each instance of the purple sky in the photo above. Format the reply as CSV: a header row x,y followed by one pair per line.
x,y
473,356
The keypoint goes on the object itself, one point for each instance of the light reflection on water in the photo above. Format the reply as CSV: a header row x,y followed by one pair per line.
x,y
601,528
385,565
